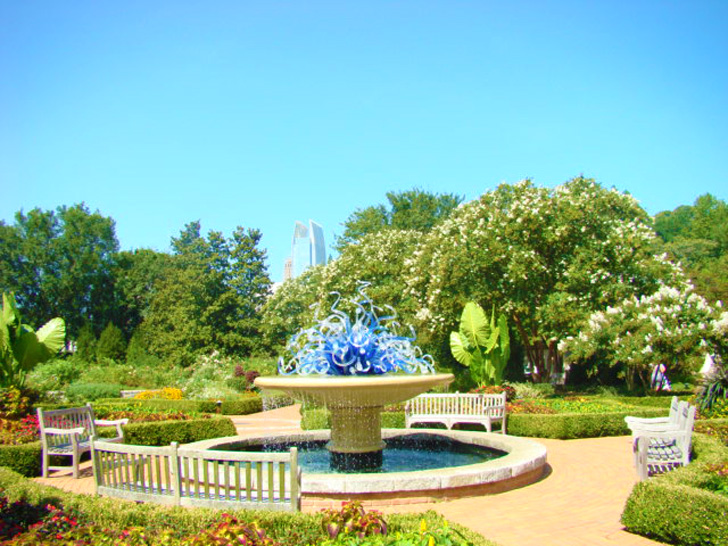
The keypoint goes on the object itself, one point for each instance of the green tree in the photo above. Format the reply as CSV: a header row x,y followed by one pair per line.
x,y
210,297
86,343
546,257
135,275
697,236
59,263
415,209
112,344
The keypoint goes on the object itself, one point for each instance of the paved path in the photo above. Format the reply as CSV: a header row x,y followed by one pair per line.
x,y
578,503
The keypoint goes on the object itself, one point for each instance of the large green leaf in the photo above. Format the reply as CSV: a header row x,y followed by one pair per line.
x,y
474,324
52,335
28,350
505,338
10,315
459,349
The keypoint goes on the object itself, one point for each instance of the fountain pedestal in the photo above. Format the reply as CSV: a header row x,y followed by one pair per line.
x,y
355,403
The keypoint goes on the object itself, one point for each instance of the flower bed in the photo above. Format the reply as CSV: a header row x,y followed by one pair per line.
x,y
83,519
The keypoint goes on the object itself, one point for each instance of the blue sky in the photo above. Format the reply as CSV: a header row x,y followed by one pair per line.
x,y
260,113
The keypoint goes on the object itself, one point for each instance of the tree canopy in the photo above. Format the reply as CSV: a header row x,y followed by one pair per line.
x,y
697,236
545,257
414,209
60,263
210,296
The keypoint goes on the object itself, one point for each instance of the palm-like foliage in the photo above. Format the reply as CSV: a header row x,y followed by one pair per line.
x,y
21,348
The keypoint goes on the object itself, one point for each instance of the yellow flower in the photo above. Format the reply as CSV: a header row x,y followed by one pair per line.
x,y
431,541
423,526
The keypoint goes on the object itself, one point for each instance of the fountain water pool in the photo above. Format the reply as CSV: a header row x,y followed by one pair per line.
x,y
524,462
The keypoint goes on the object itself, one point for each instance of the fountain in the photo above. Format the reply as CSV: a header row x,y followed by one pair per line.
x,y
360,366
356,367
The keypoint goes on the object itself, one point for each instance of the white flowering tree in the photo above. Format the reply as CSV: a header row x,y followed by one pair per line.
x,y
289,308
547,257
673,326
378,259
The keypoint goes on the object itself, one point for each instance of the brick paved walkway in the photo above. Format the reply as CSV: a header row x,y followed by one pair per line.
x,y
578,503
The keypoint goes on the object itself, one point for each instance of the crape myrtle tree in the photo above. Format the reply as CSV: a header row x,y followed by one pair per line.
x,y
210,296
673,326
378,259
59,263
546,257
290,308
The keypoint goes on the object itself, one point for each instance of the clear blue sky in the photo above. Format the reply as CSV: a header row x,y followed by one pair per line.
x,y
260,113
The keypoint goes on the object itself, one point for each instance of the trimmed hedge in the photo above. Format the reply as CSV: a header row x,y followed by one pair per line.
x,y
292,529
240,406
562,426
673,508
23,459
570,426
162,433
88,392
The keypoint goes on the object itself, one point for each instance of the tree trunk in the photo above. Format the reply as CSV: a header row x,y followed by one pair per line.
x,y
544,358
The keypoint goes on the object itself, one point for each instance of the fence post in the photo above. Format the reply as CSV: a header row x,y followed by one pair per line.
x,y
174,465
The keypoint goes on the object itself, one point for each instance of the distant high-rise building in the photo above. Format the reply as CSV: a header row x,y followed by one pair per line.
x,y
288,269
307,249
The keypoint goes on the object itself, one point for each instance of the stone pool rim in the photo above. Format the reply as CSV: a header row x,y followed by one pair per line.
x,y
524,462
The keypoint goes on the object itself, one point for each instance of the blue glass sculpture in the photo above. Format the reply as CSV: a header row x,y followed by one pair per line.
x,y
365,345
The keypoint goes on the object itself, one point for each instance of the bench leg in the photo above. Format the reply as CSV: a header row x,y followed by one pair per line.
x,y
45,462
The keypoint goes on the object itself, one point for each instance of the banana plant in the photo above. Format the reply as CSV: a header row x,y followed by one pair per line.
x,y
481,345
21,348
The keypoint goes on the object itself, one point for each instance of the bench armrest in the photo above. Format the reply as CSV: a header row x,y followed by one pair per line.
x,y
646,420
51,430
647,429
110,423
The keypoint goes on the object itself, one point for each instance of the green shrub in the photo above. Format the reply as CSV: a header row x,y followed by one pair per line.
x,y
54,375
88,392
291,529
237,406
568,426
560,426
675,508
162,433
111,344
242,406
23,459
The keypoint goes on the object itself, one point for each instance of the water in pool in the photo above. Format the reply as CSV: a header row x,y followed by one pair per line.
x,y
403,454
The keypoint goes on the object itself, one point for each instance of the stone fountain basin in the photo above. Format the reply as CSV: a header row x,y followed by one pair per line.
x,y
359,391
524,463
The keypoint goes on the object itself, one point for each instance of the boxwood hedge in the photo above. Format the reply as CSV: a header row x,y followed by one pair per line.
x,y
240,406
563,426
23,459
161,433
673,507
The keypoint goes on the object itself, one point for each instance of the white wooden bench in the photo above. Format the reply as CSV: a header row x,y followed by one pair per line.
x,y
636,423
449,409
201,478
662,448
67,433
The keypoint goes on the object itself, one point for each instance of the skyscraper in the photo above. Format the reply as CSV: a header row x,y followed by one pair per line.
x,y
307,249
